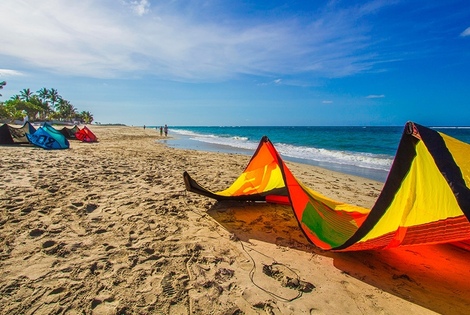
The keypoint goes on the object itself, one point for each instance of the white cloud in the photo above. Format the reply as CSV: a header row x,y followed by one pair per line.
x,y
466,32
375,96
101,39
9,73
277,81
327,102
140,7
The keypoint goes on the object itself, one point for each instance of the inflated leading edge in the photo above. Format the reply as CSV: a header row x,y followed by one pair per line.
x,y
425,200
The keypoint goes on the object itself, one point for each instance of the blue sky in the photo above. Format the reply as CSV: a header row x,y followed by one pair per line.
x,y
224,62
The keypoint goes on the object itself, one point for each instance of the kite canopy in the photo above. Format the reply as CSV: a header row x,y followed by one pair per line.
x,y
69,133
15,135
425,200
262,179
48,138
86,135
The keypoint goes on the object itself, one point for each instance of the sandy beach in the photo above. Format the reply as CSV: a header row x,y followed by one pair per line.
x,y
108,228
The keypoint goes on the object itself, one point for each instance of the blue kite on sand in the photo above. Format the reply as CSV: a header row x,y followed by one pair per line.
x,y
49,138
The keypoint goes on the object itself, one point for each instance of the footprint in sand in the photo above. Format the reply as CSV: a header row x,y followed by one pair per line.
x,y
91,207
36,233
167,288
51,247
269,307
279,271
48,244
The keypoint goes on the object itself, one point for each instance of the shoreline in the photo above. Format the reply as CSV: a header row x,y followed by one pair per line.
x,y
108,228
184,142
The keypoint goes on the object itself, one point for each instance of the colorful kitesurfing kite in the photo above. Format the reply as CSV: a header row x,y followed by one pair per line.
x,y
15,135
47,137
69,133
425,199
85,135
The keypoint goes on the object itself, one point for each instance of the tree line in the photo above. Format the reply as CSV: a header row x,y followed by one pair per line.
x,y
45,104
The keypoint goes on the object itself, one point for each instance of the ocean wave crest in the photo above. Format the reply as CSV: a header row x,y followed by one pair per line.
x,y
318,155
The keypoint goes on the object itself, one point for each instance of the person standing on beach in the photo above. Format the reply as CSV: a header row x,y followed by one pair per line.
x,y
166,130
161,131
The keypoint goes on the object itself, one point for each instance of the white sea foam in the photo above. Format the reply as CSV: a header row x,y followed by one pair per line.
x,y
183,132
365,160
451,127
319,155
234,142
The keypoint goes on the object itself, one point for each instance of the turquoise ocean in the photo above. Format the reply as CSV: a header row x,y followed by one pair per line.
x,y
362,151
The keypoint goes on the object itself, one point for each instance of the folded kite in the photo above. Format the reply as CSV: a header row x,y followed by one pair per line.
x,y
85,135
425,199
15,135
49,138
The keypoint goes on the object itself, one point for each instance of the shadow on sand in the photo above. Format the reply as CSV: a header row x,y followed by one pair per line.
x,y
435,277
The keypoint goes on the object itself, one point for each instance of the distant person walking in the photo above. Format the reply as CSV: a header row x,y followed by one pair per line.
x,y
166,130
161,131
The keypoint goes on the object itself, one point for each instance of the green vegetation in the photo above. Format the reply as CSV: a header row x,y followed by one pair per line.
x,y
2,84
45,104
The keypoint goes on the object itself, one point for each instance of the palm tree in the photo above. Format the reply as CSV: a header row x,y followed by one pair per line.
x,y
43,96
71,112
45,110
2,84
26,94
66,109
45,104
54,97
86,116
